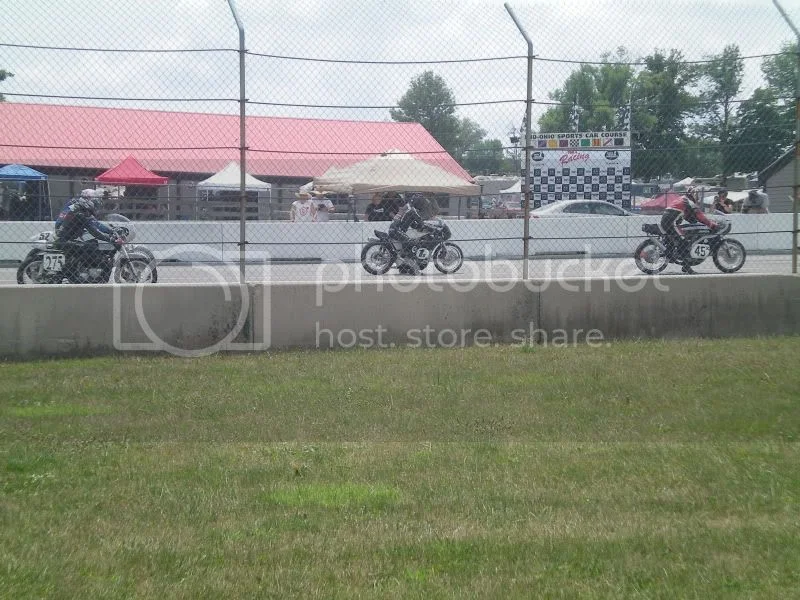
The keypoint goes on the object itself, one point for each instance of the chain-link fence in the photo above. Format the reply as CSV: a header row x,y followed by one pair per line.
x,y
358,115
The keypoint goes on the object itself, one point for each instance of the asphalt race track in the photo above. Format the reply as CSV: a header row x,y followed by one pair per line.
x,y
540,268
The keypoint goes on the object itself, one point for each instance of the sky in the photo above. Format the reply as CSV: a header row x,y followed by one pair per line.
x,y
374,31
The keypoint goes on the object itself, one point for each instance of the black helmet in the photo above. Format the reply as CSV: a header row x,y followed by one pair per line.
x,y
418,201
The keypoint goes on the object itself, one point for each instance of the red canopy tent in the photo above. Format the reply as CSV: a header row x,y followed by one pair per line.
x,y
131,172
658,203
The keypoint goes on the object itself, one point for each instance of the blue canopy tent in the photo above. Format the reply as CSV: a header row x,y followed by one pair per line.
x,y
26,210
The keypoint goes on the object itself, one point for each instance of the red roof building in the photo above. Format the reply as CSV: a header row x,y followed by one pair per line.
x,y
61,138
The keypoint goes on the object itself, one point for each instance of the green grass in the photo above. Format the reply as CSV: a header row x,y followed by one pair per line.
x,y
637,470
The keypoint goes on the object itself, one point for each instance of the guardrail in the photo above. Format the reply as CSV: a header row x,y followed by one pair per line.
x,y
342,241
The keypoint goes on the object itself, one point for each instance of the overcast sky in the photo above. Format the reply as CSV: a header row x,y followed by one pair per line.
x,y
357,30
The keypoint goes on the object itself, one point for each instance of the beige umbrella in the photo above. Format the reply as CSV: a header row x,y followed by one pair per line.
x,y
394,171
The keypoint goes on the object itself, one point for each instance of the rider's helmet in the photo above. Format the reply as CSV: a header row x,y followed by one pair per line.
x,y
93,199
691,195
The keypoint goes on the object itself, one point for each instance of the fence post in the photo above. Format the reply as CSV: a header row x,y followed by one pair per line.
x,y
796,187
242,145
527,183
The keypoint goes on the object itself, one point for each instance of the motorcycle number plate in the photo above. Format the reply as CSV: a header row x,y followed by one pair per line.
x,y
701,251
53,261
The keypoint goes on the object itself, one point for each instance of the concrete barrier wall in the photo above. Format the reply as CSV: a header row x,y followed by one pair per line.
x,y
342,241
194,320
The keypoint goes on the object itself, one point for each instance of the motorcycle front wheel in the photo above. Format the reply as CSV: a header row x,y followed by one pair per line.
x,y
377,258
729,256
448,258
135,270
30,271
649,258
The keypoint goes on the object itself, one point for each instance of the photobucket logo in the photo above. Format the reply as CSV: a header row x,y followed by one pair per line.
x,y
205,311
581,272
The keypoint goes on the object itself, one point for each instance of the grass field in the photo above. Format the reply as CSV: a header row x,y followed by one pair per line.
x,y
637,470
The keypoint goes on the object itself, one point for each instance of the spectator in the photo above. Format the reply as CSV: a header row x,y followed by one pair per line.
x,y
721,202
324,207
303,209
757,202
379,209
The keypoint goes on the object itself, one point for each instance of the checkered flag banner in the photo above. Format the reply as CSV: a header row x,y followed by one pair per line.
x,y
624,117
575,116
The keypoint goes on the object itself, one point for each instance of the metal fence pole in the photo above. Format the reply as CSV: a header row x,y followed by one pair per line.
x,y
526,228
242,145
796,189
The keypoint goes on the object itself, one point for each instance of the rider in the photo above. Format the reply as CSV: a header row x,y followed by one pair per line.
x,y
79,215
685,206
409,217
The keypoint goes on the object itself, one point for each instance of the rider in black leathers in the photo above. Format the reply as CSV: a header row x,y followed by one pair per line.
x,y
409,217
77,216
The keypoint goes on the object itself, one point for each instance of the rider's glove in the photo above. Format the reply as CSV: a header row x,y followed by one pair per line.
x,y
118,242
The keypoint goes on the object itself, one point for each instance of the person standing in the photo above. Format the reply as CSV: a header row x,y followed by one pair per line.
x,y
721,202
303,209
324,207
379,209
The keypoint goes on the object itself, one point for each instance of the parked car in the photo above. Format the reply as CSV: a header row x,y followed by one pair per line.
x,y
580,208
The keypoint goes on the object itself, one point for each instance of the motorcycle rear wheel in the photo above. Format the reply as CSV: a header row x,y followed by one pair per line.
x,y
649,258
30,271
377,258
729,256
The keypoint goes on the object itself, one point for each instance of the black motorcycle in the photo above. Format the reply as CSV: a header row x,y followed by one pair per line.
x,y
654,254
411,257
88,260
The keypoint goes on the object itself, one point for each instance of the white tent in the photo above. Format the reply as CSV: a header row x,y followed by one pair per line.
x,y
229,179
394,171
683,183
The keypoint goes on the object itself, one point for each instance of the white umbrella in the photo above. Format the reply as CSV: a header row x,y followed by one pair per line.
x,y
394,171
229,179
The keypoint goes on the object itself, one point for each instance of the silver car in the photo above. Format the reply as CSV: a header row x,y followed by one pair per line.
x,y
580,208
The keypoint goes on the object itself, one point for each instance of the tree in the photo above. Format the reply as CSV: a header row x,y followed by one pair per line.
x,y
596,92
469,135
3,76
485,158
763,133
661,103
431,103
722,78
779,72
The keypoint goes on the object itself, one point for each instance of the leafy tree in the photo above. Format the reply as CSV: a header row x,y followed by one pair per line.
x,y
722,79
661,102
779,72
486,157
470,135
3,76
430,102
596,91
763,133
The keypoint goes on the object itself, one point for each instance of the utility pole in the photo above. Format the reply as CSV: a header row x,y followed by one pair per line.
x,y
242,145
527,180
796,190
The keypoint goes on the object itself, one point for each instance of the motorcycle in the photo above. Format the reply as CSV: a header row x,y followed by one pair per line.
x,y
654,254
382,252
92,261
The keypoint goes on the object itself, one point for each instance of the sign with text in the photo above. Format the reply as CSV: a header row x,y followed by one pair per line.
x,y
581,166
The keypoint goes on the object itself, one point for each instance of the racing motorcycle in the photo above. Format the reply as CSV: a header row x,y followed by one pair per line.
x,y
93,261
655,253
382,252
